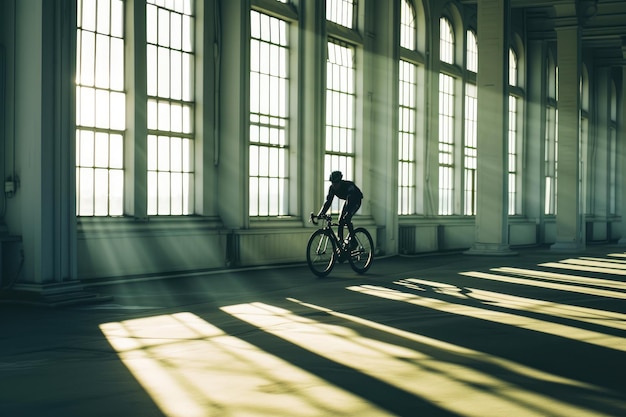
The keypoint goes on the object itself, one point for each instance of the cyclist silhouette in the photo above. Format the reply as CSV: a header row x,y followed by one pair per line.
x,y
345,190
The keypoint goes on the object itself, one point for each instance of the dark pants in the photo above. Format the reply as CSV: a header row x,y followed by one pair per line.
x,y
345,219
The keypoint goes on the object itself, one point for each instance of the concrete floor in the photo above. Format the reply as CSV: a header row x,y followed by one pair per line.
x,y
537,334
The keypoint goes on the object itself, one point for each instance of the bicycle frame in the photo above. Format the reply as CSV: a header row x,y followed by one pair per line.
x,y
329,226
321,256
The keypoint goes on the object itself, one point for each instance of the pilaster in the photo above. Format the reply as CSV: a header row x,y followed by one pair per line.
x,y
491,233
569,219
621,156
46,138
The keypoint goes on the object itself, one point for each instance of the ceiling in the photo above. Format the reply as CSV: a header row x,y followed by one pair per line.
x,y
603,24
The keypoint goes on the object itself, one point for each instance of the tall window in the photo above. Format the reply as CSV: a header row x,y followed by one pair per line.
x,y
340,107
170,63
471,123
269,58
471,117
446,41
513,134
472,52
407,26
341,12
407,110
446,121
584,137
100,108
613,150
446,144
512,162
406,138
551,140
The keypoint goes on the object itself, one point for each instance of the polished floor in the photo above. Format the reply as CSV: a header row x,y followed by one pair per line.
x,y
541,333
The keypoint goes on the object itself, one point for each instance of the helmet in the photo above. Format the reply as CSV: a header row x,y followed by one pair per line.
x,y
335,176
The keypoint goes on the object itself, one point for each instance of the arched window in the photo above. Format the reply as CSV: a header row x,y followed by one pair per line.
x,y
342,12
447,99
551,137
446,41
471,117
613,149
513,135
584,136
407,109
407,25
472,52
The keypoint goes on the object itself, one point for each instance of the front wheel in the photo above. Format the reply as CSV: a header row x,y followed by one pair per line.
x,y
320,253
362,250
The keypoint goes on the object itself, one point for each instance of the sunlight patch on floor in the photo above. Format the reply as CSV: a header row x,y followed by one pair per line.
x,y
490,298
587,290
192,368
457,350
568,332
574,279
456,387
586,266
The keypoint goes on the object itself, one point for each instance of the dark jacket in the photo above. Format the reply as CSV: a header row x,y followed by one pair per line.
x,y
347,190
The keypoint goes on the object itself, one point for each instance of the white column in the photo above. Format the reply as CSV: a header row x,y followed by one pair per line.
x,y
232,185
491,233
621,158
311,126
569,220
46,143
380,164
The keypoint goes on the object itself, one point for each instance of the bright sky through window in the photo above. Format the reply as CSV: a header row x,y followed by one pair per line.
x,y
170,62
100,108
341,12
269,59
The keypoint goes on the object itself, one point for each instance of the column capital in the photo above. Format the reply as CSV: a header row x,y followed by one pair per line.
x,y
575,12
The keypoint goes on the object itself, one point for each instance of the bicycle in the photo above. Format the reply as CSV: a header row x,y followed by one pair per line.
x,y
324,248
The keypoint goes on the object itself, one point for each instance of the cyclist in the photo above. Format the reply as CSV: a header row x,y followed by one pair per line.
x,y
345,190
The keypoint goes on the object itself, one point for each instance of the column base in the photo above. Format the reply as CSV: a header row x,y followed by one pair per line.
x,y
50,295
568,247
490,249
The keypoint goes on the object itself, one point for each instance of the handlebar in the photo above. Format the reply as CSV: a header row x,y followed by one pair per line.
x,y
313,218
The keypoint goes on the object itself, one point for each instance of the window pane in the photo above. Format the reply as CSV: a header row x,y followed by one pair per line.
x,y
341,12
470,149
269,60
170,107
472,52
446,41
406,138
100,108
446,144
340,117
407,26
512,155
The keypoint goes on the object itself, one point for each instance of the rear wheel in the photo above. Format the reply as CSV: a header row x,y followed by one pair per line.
x,y
361,250
320,253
